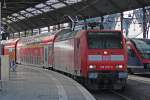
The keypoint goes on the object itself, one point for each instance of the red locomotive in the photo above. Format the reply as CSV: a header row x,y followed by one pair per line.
x,y
98,56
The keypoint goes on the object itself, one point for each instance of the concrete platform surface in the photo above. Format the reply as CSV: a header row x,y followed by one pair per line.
x,y
32,83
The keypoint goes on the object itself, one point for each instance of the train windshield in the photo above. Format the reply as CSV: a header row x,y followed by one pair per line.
x,y
104,40
143,47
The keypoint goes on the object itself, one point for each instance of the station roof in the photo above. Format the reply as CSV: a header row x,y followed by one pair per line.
x,y
29,14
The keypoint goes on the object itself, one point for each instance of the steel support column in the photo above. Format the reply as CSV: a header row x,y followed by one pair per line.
x,y
32,32
48,28
58,27
121,18
19,34
102,23
144,23
13,35
25,33
39,30
0,21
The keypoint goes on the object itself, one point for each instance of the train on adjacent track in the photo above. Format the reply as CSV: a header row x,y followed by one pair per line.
x,y
138,56
95,56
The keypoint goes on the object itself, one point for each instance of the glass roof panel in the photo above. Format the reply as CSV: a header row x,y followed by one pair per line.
x,y
58,5
29,12
47,9
4,19
36,12
41,5
15,14
49,2
14,19
23,12
72,1
21,17
9,17
9,21
30,9
28,15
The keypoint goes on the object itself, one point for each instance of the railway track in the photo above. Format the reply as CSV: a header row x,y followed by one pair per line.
x,y
109,95
132,91
121,95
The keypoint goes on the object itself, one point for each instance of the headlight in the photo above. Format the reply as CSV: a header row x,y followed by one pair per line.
x,y
92,66
119,66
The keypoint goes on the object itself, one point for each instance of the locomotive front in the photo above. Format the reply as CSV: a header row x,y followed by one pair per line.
x,y
107,58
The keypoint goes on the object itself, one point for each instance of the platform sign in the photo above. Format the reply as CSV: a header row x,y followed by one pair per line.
x,y
0,69
0,18
0,61
0,33
4,67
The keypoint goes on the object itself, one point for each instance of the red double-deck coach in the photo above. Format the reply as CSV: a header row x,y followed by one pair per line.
x,y
36,50
10,48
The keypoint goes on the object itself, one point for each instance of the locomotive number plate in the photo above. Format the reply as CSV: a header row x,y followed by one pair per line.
x,y
106,58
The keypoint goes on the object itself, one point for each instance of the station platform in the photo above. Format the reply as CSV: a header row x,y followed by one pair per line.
x,y
32,83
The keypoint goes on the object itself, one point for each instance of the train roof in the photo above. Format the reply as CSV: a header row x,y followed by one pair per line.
x,y
43,38
145,40
40,38
68,33
49,36
10,41
136,41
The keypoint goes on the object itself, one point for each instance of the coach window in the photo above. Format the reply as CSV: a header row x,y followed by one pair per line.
x,y
31,60
36,59
46,53
78,43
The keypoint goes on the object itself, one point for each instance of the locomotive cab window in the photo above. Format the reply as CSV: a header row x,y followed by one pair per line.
x,y
104,40
46,53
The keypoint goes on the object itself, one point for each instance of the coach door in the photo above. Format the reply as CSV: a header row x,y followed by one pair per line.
x,y
50,56
77,57
46,56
